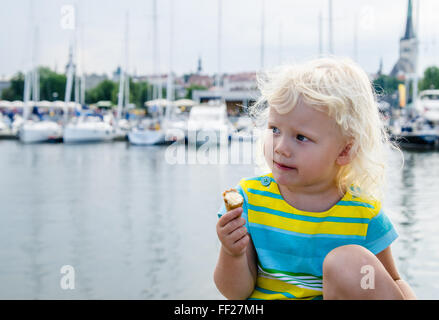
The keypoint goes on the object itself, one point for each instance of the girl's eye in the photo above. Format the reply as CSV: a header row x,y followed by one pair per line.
x,y
302,138
275,130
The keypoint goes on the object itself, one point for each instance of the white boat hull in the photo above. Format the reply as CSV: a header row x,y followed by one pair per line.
x,y
43,131
88,132
432,116
146,137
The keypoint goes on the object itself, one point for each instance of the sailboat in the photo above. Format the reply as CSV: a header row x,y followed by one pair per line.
x,y
123,126
6,121
5,128
152,131
87,126
35,129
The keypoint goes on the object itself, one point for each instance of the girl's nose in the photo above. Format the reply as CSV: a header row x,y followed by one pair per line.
x,y
282,148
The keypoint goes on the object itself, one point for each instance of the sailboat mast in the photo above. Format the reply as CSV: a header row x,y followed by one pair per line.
x,y
356,38
170,83
35,74
330,39
219,39
69,84
82,64
122,72
26,94
170,80
320,34
262,35
158,86
280,43
127,65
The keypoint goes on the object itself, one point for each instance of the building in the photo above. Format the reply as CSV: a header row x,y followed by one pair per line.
x,y
245,81
236,101
200,80
408,49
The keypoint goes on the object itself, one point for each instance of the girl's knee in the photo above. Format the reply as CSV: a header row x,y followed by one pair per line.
x,y
345,259
343,269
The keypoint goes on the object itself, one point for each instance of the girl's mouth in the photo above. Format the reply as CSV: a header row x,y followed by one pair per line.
x,y
283,167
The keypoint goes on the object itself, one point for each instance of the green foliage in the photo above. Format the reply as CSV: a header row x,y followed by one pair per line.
x,y
104,91
109,90
430,80
139,93
385,85
191,88
52,85
16,88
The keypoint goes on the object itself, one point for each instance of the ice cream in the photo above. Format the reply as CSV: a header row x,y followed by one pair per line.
x,y
232,199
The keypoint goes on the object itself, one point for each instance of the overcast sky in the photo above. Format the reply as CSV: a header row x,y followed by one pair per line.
x,y
291,33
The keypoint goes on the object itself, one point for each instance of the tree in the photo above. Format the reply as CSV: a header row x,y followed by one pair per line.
x,y
104,91
193,87
16,88
139,93
52,85
430,80
386,85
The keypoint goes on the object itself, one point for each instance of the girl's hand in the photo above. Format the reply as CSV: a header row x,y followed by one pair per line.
x,y
232,233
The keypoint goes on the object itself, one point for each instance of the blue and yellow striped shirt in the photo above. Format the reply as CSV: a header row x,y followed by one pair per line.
x,y
291,244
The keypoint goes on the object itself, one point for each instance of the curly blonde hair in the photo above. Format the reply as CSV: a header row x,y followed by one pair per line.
x,y
339,87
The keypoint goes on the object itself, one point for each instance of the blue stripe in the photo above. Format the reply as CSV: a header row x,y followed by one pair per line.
x,y
266,291
306,235
355,204
265,193
307,218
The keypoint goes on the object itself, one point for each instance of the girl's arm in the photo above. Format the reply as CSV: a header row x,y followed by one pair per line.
x,y
236,269
386,259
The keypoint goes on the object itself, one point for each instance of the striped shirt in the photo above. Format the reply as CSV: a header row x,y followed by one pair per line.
x,y
291,244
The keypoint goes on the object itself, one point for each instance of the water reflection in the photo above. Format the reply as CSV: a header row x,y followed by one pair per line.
x,y
415,198
407,225
137,227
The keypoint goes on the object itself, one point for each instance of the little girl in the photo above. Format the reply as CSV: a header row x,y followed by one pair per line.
x,y
313,227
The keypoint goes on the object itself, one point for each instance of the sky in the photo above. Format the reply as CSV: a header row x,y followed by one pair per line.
x,y
291,34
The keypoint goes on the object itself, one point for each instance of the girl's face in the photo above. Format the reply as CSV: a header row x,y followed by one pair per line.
x,y
304,148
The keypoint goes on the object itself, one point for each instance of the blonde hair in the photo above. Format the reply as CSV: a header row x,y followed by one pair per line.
x,y
343,90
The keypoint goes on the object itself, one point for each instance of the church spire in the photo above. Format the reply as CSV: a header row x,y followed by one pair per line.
x,y
409,30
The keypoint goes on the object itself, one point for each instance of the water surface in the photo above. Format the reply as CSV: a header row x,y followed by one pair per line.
x,y
134,226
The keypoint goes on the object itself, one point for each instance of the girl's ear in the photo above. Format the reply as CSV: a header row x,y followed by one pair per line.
x,y
345,155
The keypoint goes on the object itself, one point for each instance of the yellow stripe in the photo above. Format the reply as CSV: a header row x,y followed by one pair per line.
x,y
254,184
265,296
357,229
280,286
339,211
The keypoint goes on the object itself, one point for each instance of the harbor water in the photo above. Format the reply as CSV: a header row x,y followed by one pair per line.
x,y
134,225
